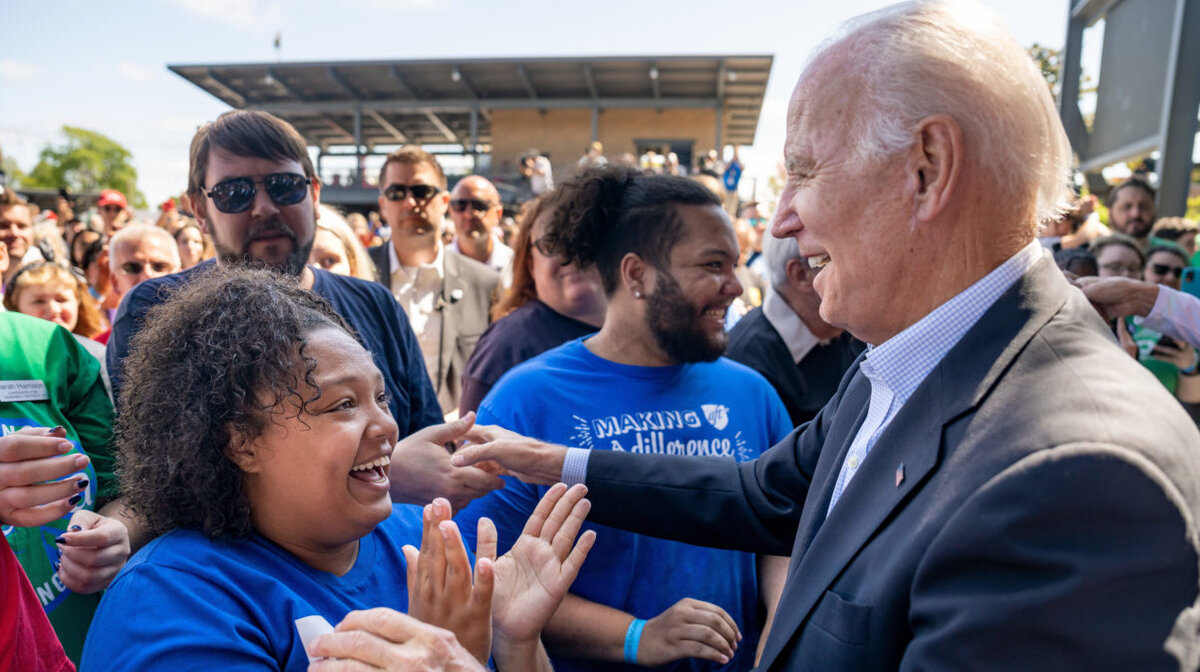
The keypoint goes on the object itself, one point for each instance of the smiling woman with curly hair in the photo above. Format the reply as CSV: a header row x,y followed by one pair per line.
x,y
254,436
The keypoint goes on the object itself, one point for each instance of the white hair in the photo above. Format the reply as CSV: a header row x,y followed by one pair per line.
x,y
134,233
926,57
778,252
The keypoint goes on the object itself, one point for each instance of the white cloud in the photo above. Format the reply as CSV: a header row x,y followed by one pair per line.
x,y
138,73
14,71
241,13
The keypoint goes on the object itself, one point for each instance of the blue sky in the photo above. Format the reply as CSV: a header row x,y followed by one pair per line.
x,y
102,65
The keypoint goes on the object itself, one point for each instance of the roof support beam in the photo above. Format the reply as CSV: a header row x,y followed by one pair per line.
x,y
401,83
590,79
722,75
387,126
284,85
341,82
441,126
466,83
526,82
229,89
654,75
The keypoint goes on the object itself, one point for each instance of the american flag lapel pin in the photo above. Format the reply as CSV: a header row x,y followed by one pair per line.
x,y
899,474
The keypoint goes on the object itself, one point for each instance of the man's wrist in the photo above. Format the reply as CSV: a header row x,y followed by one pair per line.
x,y
574,470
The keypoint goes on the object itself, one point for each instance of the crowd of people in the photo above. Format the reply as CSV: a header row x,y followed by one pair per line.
x,y
945,427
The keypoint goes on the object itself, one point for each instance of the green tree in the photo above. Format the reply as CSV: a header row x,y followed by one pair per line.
x,y
1049,62
88,161
12,171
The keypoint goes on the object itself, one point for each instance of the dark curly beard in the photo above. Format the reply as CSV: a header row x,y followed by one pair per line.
x,y
674,322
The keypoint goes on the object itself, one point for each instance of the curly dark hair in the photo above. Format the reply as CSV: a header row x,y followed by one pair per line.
x,y
216,360
606,213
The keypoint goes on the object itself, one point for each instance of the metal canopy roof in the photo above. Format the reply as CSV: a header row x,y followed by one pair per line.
x,y
434,101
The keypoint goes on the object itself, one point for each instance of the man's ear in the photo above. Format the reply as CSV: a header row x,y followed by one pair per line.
x,y
636,274
798,276
935,164
200,213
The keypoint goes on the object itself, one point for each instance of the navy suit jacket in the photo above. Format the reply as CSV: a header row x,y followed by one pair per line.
x,y
1031,507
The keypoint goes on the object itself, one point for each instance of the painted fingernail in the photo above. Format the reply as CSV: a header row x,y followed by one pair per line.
x,y
81,483
76,528
57,564
60,540
57,429
74,499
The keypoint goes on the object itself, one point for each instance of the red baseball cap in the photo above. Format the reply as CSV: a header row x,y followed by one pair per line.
x,y
112,197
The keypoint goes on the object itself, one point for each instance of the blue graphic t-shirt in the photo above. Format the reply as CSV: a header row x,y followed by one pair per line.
x,y
570,396
186,602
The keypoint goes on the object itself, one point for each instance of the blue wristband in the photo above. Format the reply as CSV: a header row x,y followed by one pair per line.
x,y
633,637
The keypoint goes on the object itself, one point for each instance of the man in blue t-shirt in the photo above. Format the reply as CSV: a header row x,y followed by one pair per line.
x,y
252,188
650,381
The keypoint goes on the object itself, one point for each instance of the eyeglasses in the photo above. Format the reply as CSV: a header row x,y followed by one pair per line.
x,y
461,205
136,267
1165,269
237,193
420,192
1115,267
541,246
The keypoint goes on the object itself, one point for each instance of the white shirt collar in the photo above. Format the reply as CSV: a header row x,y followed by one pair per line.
x,y
796,335
409,272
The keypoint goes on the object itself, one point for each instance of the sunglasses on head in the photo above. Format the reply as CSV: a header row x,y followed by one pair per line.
x,y
1164,269
236,194
399,192
461,205
136,267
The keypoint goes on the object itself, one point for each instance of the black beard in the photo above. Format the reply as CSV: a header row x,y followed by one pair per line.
x,y
293,263
672,319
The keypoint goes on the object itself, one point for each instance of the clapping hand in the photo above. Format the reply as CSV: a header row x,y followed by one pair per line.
x,y
440,587
533,577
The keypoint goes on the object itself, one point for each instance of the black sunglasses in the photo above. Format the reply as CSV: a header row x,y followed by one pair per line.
x,y
237,193
136,267
461,205
1163,269
399,192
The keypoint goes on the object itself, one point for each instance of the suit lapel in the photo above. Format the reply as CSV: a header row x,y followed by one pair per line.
x,y
910,448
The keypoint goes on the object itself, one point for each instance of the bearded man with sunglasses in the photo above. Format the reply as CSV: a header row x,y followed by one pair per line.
x,y
252,188
446,296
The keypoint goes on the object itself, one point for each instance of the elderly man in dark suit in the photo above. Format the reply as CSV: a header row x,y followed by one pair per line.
x,y
445,295
995,485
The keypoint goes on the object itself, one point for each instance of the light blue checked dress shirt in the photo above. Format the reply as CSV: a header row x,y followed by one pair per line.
x,y
896,367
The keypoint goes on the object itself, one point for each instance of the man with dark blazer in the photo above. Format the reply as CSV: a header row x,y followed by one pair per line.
x,y
446,296
785,339
995,485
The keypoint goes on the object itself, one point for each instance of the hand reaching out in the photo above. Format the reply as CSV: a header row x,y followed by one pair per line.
x,y
534,576
421,470
93,551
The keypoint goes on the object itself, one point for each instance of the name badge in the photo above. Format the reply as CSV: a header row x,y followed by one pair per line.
x,y
23,390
